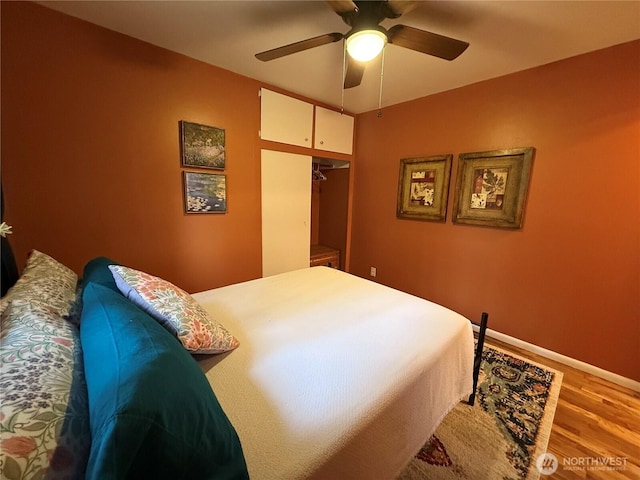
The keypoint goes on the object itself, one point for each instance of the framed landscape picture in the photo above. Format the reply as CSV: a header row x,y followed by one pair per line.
x,y
491,188
202,146
423,188
205,192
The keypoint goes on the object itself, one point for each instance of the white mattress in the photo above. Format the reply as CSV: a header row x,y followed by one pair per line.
x,y
336,377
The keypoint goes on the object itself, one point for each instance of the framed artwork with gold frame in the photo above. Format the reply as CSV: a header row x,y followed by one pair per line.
x,y
491,187
423,188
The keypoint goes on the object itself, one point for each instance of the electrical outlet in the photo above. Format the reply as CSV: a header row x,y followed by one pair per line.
x,y
374,271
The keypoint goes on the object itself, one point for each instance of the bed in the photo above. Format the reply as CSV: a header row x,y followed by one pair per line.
x,y
340,377
331,376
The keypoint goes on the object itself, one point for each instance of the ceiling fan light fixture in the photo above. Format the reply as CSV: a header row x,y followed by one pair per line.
x,y
366,45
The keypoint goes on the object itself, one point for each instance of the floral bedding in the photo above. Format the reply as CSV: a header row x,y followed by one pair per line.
x,y
44,421
175,309
46,280
45,428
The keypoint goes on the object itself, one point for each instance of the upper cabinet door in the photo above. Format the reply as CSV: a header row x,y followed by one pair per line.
x,y
285,119
334,131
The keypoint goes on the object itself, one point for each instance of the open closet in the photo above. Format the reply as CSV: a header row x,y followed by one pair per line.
x,y
329,207
305,197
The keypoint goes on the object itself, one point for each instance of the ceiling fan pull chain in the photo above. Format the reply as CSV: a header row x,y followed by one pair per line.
x,y
344,74
381,78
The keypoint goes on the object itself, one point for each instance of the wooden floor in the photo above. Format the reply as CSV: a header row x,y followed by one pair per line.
x,y
595,420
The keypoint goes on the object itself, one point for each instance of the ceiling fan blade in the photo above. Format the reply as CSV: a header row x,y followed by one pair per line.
x,y
355,71
342,6
426,42
298,46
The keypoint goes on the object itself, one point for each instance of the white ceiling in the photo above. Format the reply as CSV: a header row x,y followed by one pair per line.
x,y
505,37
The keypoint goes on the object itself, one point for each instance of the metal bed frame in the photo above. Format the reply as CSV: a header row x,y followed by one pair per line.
x,y
477,360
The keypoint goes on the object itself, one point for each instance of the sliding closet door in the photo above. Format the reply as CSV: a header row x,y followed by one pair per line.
x,y
286,211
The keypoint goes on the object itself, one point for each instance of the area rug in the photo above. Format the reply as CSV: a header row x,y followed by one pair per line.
x,y
503,434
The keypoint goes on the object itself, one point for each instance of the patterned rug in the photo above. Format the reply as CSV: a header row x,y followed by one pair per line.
x,y
503,434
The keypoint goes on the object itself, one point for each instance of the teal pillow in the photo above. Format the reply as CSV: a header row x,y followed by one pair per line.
x,y
153,413
97,271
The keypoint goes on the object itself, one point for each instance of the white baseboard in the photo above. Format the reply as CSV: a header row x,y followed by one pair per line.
x,y
558,357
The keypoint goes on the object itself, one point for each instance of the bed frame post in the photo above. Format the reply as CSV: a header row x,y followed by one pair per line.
x,y
478,356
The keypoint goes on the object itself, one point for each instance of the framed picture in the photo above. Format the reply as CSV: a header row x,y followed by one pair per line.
x,y
492,187
205,192
423,188
202,146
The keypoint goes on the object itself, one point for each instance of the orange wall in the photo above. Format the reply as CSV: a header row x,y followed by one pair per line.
x,y
569,280
333,218
90,166
90,151
315,212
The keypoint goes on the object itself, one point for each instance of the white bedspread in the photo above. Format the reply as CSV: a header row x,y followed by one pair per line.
x,y
336,377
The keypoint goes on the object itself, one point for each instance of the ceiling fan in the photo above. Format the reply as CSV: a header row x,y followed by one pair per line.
x,y
364,18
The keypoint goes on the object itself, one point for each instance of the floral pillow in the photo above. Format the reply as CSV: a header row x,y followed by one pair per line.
x,y
45,280
175,309
44,415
